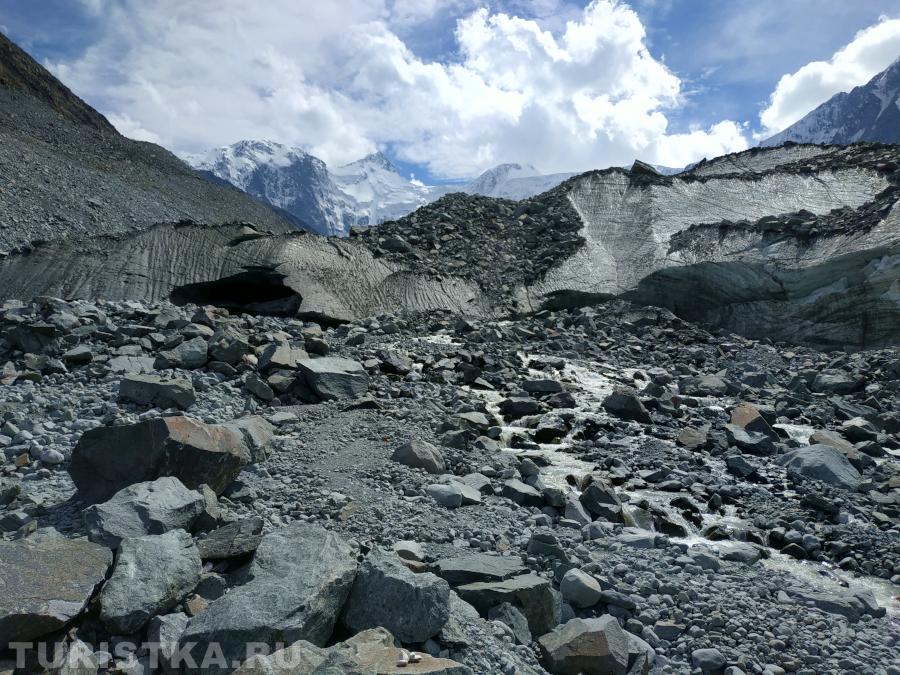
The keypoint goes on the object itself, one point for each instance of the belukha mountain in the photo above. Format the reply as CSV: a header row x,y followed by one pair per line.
x,y
630,423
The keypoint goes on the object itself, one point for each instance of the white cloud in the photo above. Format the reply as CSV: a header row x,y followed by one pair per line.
x,y
871,51
335,78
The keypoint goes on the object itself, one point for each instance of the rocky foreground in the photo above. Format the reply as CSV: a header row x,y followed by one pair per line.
x,y
603,490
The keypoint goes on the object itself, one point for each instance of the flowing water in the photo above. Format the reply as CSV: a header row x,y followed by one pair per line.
x,y
590,383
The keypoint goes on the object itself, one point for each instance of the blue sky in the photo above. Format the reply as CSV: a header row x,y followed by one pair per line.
x,y
448,88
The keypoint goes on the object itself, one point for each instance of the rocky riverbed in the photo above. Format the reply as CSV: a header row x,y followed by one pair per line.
x,y
601,490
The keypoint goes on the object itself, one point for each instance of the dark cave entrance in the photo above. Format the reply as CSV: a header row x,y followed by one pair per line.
x,y
255,291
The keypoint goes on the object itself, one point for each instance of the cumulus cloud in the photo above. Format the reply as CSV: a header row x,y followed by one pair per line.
x,y
871,51
337,79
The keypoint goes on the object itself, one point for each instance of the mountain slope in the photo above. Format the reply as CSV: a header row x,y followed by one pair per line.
x,y
67,172
867,113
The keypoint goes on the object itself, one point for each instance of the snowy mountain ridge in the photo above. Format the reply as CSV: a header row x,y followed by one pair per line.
x,y
366,192
870,112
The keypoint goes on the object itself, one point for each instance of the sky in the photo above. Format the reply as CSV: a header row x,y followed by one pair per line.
x,y
449,88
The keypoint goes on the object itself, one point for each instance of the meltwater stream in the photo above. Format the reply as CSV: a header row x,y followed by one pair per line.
x,y
590,383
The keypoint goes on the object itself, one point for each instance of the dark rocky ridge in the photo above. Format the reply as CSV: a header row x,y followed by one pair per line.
x,y
68,174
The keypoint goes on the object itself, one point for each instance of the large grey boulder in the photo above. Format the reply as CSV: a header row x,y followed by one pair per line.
x,y
837,382
532,594
153,507
46,581
414,607
824,463
624,403
851,603
590,646
229,345
159,392
298,582
580,588
107,459
280,355
332,378
601,501
420,455
190,354
152,574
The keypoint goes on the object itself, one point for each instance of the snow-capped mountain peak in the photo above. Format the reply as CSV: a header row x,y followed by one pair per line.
x,y
867,113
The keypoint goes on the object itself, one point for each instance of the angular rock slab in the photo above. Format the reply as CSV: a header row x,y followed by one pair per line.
x,y
386,593
298,582
45,582
232,540
158,392
154,507
824,463
333,378
479,567
532,594
107,459
591,646
152,574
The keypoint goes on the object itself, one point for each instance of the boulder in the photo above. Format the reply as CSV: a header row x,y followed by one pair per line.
x,y
154,507
580,588
624,403
590,646
753,442
705,385
414,607
190,354
849,603
46,580
533,595
232,540
152,574
107,459
837,382
516,407
601,501
393,363
479,567
280,355
747,416
131,364
692,438
513,619
824,463
452,495
157,392
333,378
708,660
522,494
420,455
229,345
298,582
